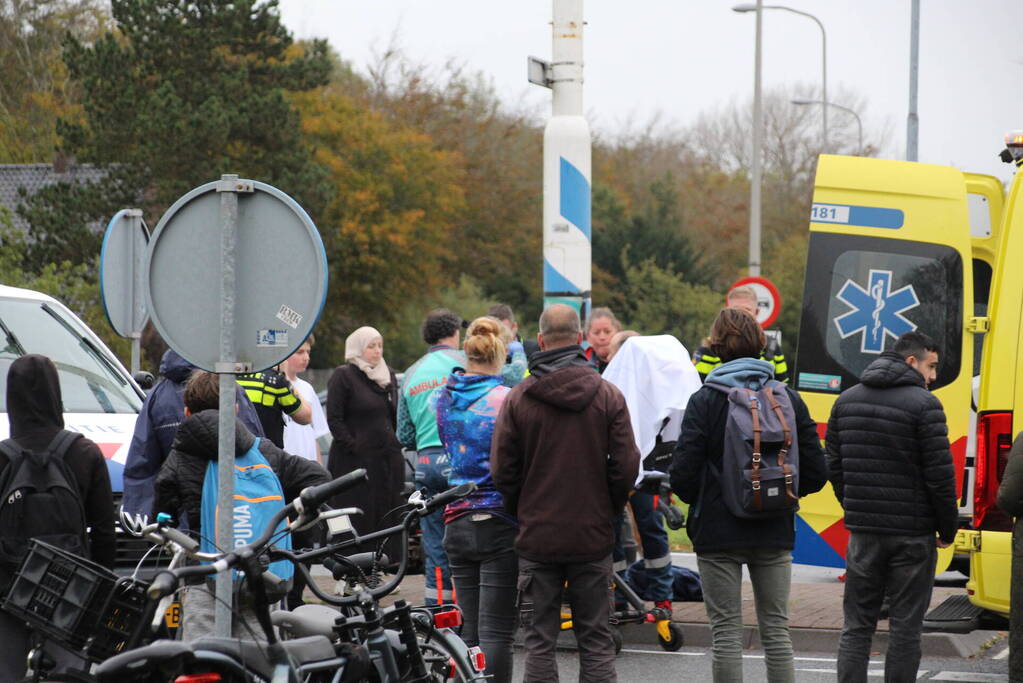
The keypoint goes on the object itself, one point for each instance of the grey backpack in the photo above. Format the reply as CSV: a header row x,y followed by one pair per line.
x,y
760,461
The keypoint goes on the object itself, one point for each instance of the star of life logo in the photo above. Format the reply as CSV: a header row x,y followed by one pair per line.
x,y
876,311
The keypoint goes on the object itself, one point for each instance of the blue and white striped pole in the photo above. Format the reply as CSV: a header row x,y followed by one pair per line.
x,y
566,169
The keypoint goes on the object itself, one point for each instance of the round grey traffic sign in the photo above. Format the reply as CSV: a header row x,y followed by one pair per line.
x,y
280,276
122,263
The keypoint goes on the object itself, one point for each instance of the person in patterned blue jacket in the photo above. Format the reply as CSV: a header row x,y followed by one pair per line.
x,y
480,534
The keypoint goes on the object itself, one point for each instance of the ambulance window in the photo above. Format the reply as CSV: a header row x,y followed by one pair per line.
x,y
862,293
981,292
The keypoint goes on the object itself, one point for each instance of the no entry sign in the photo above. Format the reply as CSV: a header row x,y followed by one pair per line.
x,y
768,298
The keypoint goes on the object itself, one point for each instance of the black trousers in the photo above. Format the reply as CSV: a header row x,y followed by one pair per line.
x,y
902,566
588,592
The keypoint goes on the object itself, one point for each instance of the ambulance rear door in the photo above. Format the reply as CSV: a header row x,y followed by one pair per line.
x,y
889,252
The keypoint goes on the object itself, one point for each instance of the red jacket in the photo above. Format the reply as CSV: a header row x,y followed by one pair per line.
x,y
564,458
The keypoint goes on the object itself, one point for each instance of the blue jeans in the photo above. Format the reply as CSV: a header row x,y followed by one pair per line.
x,y
656,552
432,468
902,566
485,569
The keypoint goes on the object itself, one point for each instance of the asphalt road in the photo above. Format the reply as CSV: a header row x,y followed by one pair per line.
x,y
641,664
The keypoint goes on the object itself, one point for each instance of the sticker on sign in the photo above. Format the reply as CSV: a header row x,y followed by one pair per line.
x,y
271,338
289,316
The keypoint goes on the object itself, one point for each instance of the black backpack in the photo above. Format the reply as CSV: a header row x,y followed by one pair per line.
x,y
39,498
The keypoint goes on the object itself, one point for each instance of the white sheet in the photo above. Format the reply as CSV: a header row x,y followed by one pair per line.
x,y
657,377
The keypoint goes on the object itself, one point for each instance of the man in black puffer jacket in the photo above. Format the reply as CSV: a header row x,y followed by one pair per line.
x,y
891,469
180,481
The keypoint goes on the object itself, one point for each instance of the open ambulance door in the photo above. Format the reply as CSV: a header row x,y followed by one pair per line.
x,y
889,252
986,198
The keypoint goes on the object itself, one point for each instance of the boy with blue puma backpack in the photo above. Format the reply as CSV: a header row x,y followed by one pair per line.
x,y
266,478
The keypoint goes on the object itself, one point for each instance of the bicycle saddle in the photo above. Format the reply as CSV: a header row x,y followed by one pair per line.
x,y
253,653
307,620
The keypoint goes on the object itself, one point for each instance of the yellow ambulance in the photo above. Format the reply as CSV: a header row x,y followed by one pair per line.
x,y
896,246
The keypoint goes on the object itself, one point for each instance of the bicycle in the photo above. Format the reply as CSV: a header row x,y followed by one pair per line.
x,y
360,646
109,618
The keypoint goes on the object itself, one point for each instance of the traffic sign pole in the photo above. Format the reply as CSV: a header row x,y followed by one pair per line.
x,y
225,430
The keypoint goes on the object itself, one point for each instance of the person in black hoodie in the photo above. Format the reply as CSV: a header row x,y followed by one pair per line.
x,y
36,414
722,541
180,481
892,471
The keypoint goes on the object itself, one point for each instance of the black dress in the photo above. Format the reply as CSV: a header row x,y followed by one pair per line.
x,y
362,417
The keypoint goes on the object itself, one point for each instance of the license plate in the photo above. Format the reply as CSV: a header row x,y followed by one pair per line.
x,y
172,617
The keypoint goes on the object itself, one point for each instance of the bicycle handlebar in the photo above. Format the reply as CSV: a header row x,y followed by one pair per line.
x,y
314,496
450,496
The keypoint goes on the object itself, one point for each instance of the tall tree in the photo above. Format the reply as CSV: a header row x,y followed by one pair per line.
x,y
180,93
387,226
35,89
654,232
497,239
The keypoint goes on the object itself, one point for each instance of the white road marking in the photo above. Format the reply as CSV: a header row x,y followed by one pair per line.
x,y
1003,654
970,676
662,652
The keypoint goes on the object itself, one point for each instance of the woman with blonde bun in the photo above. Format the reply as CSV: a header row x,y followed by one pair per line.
x,y
479,534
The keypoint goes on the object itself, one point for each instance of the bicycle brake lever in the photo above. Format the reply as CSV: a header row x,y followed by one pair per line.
x,y
418,501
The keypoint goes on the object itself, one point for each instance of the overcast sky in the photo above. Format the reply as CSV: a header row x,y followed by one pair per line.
x,y
683,57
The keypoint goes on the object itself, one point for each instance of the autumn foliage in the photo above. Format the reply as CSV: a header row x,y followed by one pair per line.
x,y
424,183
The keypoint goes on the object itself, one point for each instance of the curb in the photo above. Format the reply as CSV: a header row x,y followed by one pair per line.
x,y
823,640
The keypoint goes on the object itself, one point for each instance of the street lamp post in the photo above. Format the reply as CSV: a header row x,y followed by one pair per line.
x,y
751,7
859,122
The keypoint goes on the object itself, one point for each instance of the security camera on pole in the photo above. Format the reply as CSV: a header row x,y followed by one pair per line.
x,y
566,165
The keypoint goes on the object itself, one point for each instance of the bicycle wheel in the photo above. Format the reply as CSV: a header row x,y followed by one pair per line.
x,y
446,655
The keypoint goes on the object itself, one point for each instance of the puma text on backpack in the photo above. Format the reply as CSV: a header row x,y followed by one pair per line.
x,y
258,496
760,461
40,499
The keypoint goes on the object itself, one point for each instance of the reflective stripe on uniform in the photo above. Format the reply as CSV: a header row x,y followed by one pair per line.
x,y
445,594
657,562
706,363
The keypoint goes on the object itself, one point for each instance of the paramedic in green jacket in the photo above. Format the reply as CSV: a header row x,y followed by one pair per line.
x,y
417,430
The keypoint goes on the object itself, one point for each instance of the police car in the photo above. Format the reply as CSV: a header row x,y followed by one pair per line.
x,y
101,400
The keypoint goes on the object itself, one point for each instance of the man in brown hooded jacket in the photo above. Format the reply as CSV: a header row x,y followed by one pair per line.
x,y
564,458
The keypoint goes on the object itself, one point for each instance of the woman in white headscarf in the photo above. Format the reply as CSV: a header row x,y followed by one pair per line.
x,y
362,404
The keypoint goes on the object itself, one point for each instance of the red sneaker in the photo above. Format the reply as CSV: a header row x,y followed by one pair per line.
x,y
663,604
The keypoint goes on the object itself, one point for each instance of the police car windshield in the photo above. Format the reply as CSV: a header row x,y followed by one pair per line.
x,y
89,381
